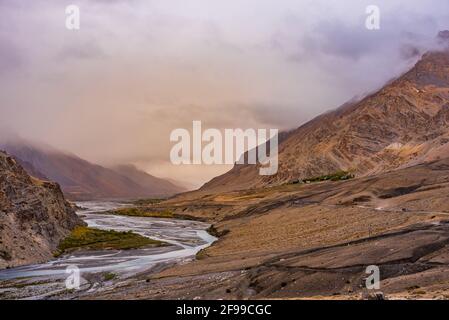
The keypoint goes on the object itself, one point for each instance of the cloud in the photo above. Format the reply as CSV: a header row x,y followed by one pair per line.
x,y
113,91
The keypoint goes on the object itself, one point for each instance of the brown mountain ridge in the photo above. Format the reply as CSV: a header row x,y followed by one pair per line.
x,y
83,180
403,124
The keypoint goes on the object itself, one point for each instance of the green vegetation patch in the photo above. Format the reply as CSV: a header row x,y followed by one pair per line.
x,y
108,276
145,202
151,213
336,176
95,239
141,212
25,284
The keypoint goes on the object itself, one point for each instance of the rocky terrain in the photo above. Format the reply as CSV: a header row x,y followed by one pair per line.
x,y
403,124
34,216
299,235
315,240
302,235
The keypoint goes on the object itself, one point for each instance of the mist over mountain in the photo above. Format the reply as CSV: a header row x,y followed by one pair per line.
x,y
83,180
403,124
34,216
256,64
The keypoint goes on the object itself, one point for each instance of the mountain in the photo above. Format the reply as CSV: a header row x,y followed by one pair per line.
x,y
34,216
82,180
161,187
403,124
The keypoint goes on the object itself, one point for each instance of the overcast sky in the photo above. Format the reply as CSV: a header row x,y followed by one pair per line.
x,y
137,69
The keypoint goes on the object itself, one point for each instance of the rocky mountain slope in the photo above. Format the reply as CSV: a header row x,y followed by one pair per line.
x,y
82,180
403,124
315,240
34,216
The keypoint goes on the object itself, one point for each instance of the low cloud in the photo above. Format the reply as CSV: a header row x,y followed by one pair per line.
x,y
113,91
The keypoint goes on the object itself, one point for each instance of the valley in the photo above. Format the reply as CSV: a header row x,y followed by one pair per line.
x,y
104,270
315,241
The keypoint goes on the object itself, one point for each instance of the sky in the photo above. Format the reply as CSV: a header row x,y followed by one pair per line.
x,y
112,91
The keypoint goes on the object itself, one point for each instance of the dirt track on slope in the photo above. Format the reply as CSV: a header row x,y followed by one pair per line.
x,y
315,241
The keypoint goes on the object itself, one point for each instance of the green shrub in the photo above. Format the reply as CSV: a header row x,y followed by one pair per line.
x,y
336,176
96,239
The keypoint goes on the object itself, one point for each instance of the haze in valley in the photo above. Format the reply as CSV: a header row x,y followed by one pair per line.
x,y
114,90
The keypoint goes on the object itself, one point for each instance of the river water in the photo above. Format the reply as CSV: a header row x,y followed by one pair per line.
x,y
185,239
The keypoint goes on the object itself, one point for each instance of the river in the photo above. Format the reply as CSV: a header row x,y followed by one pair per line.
x,y
47,280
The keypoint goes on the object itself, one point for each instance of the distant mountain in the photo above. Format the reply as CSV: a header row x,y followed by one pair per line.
x,y
149,182
34,216
403,124
82,180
